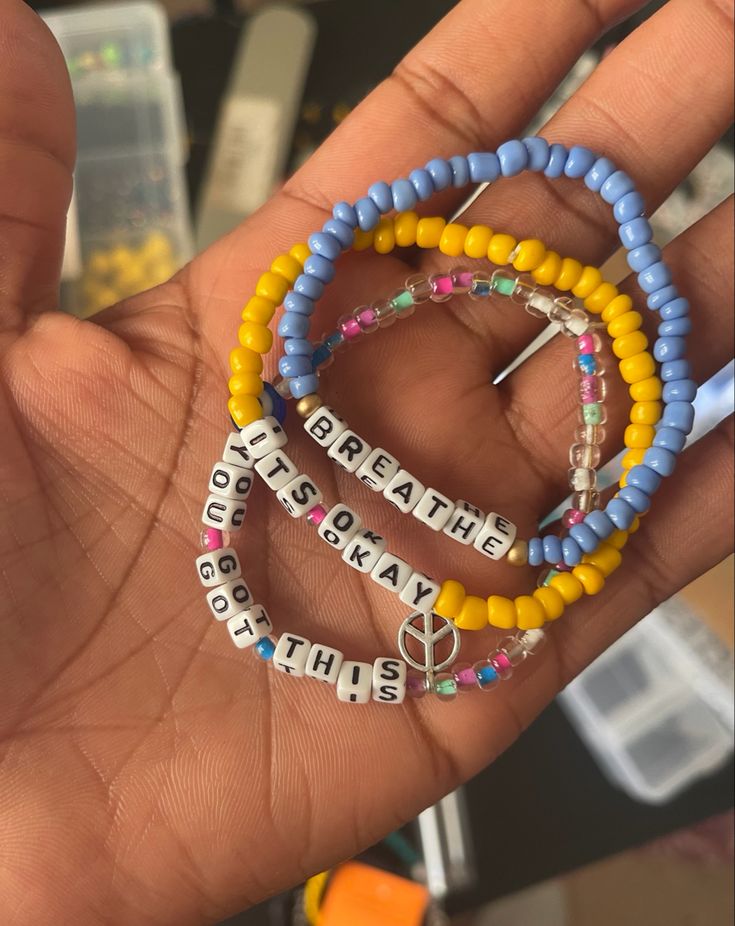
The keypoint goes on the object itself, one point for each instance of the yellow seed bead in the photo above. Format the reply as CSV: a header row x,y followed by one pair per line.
x,y
571,271
623,481
272,286
245,384
259,310
429,232
501,612
628,345
531,254
625,324
500,248
473,614
600,298
633,457
645,412
363,240
244,360
639,435
300,252
619,306
606,558
592,579
478,241
647,390
635,525
618,539
587,283
551,601
451,597
547,272
568,586
530,613
244,409
404,228
385,236
256,337
308,404
288,267
636,368
452,240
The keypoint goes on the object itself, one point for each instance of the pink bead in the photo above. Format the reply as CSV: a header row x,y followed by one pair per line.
x,y
465,678
586,344
464,279
212,539
572,516
366,318
589,389
442,285
562,567
350,328
316,515
501,662
416,685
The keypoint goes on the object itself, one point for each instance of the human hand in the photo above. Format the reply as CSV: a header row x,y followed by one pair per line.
x,y
149,772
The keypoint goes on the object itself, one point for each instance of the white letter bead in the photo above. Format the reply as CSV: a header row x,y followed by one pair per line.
x,y
249,626
236,452
231,481
291,654
496,536
464,525
263,437
228,599
339,527
349,450
389,680
225,513
299,495
434,509
420,593
324,663
391,572
364,551
325,426
404,491
276,470
355,682
217,567
377,470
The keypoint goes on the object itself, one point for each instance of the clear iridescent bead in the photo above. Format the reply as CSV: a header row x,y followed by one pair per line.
x,y
384,312
419,287
587,455
514,650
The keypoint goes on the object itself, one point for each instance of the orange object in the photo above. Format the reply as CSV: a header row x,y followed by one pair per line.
x,y
358,895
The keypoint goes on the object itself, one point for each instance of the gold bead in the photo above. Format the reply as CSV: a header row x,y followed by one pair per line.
x,y
308,404
518,553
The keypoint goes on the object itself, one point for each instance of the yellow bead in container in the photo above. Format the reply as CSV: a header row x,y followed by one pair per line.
x,y
530,254
600,298
405,226
500,249
244,409
473,614
639,366
620,305
256,337
450,600
244,360
530,613
628,345
647,390
259,310
272,286
645,412
501,612
429,232
639,436
385,238
589,281
551,601
245,384
625,324
569,587
477,241
288,267
591,578
453,238
549,270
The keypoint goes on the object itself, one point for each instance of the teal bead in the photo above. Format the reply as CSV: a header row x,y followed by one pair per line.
x,y
592,413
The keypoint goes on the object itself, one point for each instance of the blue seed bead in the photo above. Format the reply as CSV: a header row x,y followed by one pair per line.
x,y
368,214
289,367
552,549
679,415
309,286
296,302
654,277
278,403
460,170
620,513
598,174
341,231
334,340
635,233
643,478
513,157
572,551
667,349
317,266
381,195
486,676
304,385
345,212
587,363
676,327
557,160
535,551
265,648
298,347
538,152
404,195
675,369
579,161
636,498
440,173
660,460
481,288
585,537
422,183
640,259
675,308
484,167
680,390
659,299
670,439
617,185
326,245
628,207
599,522
321,354
293,325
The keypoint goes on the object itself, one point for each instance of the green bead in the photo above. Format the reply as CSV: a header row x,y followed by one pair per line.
x,y
445,687
402,300
550,573
111,54
592,413
504,286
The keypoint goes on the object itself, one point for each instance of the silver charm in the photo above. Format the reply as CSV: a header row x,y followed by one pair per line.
x,y
422,628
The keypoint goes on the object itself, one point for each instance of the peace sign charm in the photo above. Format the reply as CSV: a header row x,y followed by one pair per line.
x,y
422,628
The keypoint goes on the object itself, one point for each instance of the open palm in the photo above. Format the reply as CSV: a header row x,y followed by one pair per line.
x,y
150,772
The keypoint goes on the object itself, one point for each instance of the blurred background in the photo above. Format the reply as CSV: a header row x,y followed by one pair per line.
x,y
190,113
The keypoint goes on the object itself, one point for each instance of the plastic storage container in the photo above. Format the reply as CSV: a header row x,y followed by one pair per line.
x,y
129,225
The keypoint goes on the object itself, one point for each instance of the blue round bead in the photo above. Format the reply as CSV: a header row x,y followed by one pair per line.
x,y
667,349
579,161
317,266
643,478
293,325
309,286
326,245
679,415
265,648
572,552
538,152
321,354
585,537
654,277
440,173
675,369
660,460
460,170
617,185
680,390
620,513
484,167
598,174
640,259
635,233
341,231
404,195
368,214
304,385
486,676
298,347
636,498
600,524
535,552
557,160
552,549
345,212
676,327
670,439
289,367
661,297
278,403
675,308
587,363
513,157
628,207
381,195
422,183
296,302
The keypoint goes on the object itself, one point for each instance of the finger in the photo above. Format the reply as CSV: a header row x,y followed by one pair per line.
x,y
669,80
37,140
